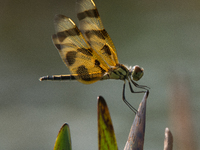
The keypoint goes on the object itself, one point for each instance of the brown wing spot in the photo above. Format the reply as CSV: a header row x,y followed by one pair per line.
x,y
58,46
106,49
82,72
99,33
105,33
61,36
85,51
92,13
70,57
54,37
97,63
64,34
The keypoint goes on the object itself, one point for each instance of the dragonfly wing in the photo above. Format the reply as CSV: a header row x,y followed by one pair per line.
x,y
92,28
82,61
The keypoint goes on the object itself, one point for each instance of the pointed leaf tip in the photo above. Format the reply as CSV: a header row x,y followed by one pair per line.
x,y
106,133
101,102
137,132
147,93
63,140
168,142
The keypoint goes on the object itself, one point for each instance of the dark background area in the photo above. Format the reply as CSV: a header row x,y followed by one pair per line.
x,y
160,36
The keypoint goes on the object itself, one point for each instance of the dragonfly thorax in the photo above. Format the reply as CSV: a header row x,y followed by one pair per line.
x,y
119,71
136,72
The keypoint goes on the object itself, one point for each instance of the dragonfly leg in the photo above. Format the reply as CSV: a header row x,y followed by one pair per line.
x,y
125,101
136,86
139,86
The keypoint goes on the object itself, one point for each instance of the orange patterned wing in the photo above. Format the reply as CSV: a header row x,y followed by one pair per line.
x,y
92,28
82,60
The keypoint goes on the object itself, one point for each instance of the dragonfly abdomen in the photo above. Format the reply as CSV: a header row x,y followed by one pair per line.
x,y
58,77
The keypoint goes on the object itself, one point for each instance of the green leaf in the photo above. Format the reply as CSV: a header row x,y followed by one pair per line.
x,y
107,140
63,140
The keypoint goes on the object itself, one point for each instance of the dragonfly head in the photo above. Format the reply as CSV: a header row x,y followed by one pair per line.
x,y
136,72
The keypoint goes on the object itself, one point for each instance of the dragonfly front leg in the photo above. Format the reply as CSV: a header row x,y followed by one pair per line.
x,y
138,86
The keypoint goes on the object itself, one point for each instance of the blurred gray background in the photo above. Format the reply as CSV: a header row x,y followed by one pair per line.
x,y
160,36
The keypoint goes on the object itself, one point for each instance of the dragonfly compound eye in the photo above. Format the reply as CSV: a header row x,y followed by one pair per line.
x,y
137,73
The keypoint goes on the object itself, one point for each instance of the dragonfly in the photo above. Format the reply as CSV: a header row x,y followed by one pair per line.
x,y
89,52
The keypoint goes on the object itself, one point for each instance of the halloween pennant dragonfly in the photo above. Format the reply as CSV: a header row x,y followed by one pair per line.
x,y
89,52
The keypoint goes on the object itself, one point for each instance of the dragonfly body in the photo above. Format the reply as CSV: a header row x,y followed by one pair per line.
x,y
118,72
89,52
